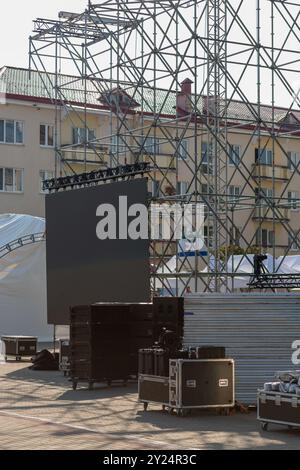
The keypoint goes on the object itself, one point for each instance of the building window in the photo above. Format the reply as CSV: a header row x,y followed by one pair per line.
x,y
46,135
234,193
293,160
118,144
293,199
45,175
208,236
234,155
81,135
11,180
183,149
206,163
264,157
152,145
182,187
265,237
294,241
267,196
11,132
235,235
264,196
204,156
156,188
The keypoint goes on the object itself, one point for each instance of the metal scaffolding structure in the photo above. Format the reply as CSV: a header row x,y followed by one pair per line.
x,y
176,82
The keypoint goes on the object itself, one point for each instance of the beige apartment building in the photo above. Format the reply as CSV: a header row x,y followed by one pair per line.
x,y
27,157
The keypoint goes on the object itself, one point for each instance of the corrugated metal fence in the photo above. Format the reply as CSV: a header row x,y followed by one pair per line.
x,y
257,330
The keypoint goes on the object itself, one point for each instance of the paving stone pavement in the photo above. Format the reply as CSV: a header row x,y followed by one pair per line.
x,y
39,410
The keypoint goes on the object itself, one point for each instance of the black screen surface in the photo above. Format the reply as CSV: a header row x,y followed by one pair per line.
x,y
81,269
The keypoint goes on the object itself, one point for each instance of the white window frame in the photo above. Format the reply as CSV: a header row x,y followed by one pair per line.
x,y
183,150
293,245
182,187
268,160
235,155
269,194
208,234
87,134
293,157
156,189
270,237
47,126
152,143
13,191
49,175
117,144
204,153
15,121
234,193
293,197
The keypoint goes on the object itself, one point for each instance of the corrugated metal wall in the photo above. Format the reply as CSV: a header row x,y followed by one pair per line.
x,y
257,330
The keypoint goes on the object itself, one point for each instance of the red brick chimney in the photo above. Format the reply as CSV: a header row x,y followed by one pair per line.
x,y
184,105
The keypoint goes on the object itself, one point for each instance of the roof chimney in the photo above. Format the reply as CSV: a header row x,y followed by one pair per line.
x,y
184,105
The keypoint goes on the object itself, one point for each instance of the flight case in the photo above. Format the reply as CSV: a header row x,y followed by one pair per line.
x,y
278,408
19,346
192,383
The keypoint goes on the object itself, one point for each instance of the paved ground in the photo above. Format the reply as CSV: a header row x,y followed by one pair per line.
x,y
38,410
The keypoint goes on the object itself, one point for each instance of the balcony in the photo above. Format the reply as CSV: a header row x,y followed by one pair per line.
x,y
266,213
78,155
279,173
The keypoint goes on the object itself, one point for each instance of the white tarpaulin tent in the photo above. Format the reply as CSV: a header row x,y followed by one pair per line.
x,y
23,308
238,264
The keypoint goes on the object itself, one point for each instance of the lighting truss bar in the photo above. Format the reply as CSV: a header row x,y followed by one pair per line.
x,y
275,281
99,176
44,26
20,242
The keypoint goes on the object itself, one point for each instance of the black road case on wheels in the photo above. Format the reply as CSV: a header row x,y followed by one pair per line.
x,y
192,383
19,346
278,408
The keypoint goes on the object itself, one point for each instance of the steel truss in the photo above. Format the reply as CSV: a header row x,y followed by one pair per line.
x,y
129,60
20,242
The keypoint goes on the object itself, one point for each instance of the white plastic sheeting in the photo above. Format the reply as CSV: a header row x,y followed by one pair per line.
x,y
23,307
241,264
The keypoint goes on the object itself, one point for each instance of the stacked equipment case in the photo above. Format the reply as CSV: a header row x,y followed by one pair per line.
x,y
181,380
105,337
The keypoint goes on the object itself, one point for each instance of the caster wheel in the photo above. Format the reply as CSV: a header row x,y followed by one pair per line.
x,y
74,385
264,426
171,411
145,406
5,359
164,408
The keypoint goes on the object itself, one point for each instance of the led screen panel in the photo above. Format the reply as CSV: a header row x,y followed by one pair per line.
x,y
83,268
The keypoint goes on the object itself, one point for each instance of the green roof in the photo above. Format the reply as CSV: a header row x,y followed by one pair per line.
x,y
36,85
33,84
